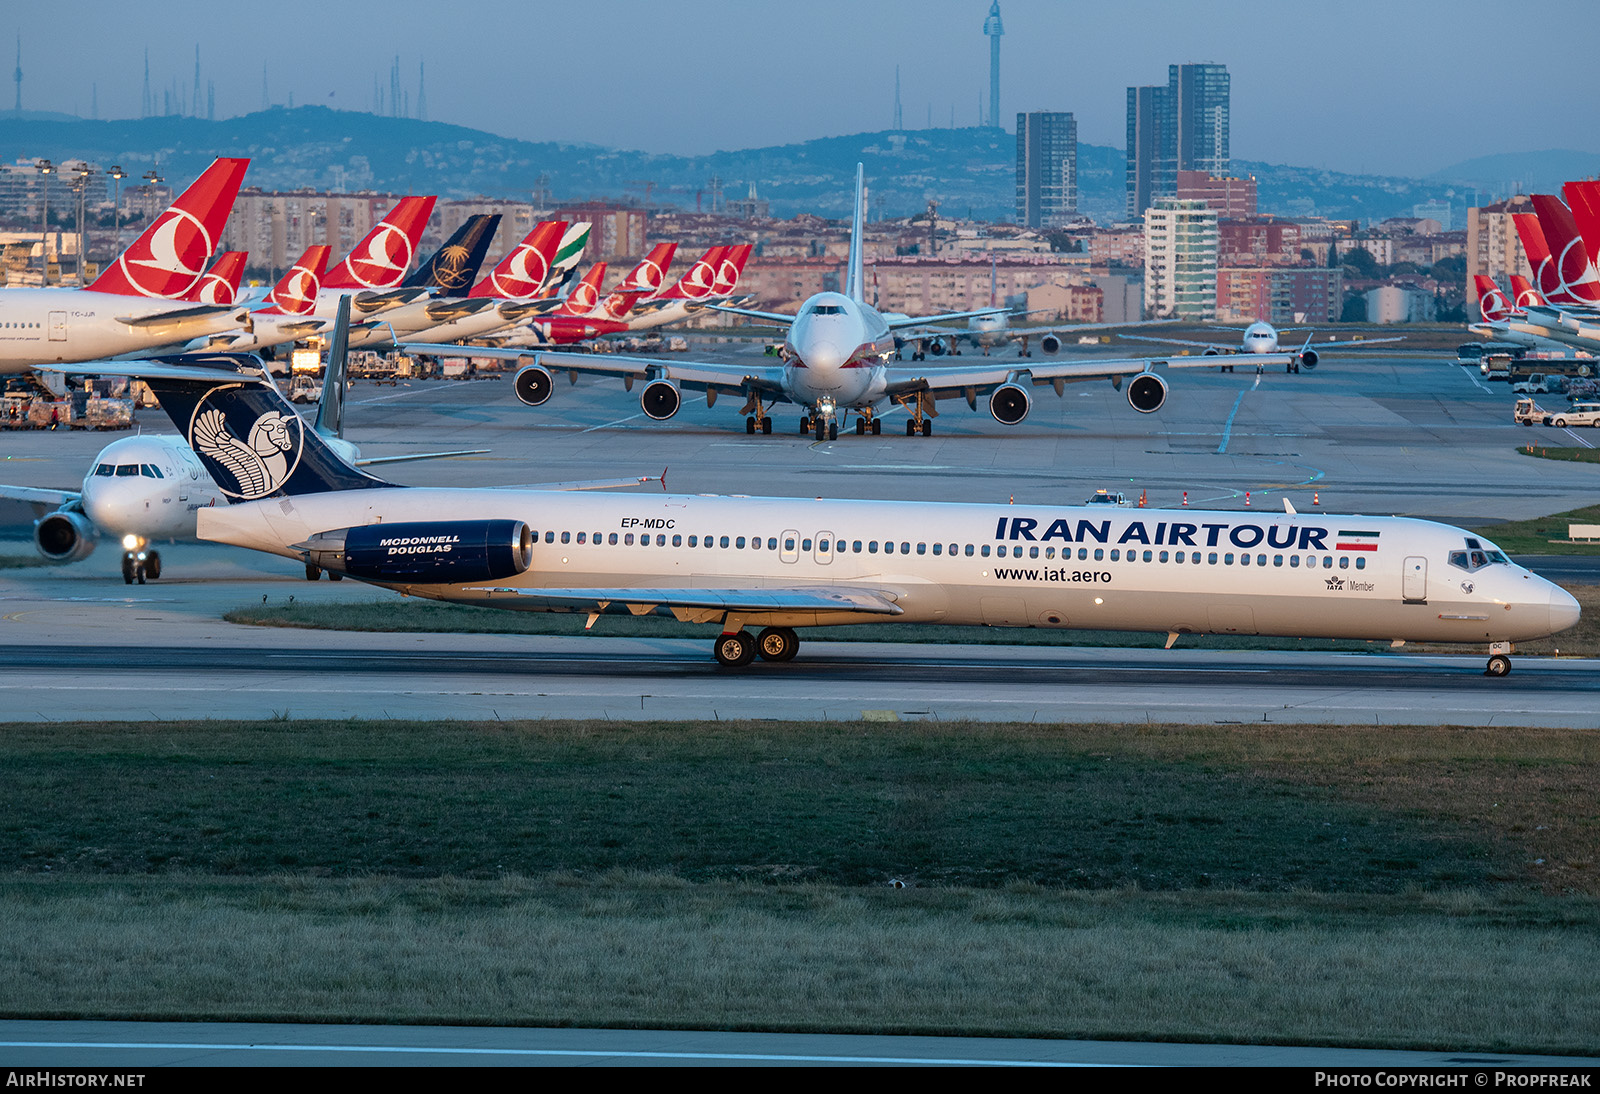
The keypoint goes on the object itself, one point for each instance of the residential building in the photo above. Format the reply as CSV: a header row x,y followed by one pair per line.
x,y
1279,295
1180,260
1181,127
1233,199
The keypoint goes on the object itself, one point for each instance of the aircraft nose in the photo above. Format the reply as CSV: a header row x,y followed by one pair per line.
x,y
111,510
824,355
1564,610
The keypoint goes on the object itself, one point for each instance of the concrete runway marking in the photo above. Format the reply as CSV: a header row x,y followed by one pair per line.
x,y
608,425
1476,382
1569,432
407,394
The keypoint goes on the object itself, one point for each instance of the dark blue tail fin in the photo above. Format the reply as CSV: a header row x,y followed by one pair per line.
x,y
245,432
454,267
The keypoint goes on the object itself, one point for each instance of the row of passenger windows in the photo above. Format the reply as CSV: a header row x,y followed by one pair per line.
x,y
889,547
22,326
129,470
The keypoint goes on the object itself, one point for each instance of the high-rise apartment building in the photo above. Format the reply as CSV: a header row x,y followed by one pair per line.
x,y
1180,260
1181,127
1047,169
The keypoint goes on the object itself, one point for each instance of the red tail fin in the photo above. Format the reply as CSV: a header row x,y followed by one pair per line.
x,y
220,284
1570,259
1583,198
1534,246
650,276
522,273
585,294
730,268
698,280
1492,302
296,291
1524,295
380,260
167,260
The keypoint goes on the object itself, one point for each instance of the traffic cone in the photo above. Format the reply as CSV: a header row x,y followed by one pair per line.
x,y
1186,497
1316,497
1247,499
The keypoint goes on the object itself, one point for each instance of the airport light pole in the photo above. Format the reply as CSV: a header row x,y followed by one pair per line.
x,y
45,167
81,185
117,174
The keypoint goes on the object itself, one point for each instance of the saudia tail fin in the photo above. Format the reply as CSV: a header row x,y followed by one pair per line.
x,y
169,256
380,260
854,286
454,266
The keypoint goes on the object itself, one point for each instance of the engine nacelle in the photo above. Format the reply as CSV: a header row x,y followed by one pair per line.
x,y
1308,358
1050,343
64,536
1212,353
661,399
936,347
534,385
437,552
1010,403
1146,392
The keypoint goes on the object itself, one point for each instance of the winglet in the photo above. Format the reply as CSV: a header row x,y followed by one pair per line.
x,y
854,285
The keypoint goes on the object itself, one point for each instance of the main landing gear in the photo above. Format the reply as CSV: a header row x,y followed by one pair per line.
x,y
1499,659
737,649
313,571
817,424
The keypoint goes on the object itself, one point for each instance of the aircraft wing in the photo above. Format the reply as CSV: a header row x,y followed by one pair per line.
x,y
38,496
1220,347
818,598
179,317
369,460
947,317
696,375
1354,342
970,381
752,313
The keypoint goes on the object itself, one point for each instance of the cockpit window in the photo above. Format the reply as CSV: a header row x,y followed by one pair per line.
x,y
150,471
127,470
827,309
1477,559
105,470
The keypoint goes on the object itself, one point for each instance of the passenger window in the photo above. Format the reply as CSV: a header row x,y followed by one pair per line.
x,y
1050,552
938,548
922,548
550,537
1261,560
1212,558
1311,562
1294,562
1344,562
661,540
1148,556
581,537
1033,552
1116,554
855,547
772,544
872,547
1163,556
969,550
1327,562
566,537
694,541
984,552
905,548
1178,556
1227,559
627,540
612,539
677,541
805,545
1098,554
788,545
755,543
1361,563
739,543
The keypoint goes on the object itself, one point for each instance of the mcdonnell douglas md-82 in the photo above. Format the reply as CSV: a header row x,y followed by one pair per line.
x,y
836,362
778,564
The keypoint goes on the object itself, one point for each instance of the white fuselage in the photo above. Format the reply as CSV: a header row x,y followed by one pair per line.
x,y
834,354
63,326
1178,571
148,487
1260,338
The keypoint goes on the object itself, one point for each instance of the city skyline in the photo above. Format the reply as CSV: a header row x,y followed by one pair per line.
x,y
1381,89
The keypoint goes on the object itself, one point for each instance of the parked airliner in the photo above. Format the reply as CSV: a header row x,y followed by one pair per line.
x,y
835,362
779,564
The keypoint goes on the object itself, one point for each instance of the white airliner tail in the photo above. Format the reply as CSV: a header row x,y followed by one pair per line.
x,y
855,287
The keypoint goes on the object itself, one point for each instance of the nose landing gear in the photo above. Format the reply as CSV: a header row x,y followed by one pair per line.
x,y
139,565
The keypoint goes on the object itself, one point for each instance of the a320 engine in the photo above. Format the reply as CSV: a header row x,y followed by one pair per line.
x,y
447,552
64,536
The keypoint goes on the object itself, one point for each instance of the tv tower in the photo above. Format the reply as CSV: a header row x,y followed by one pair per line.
x,y
19,73
992,27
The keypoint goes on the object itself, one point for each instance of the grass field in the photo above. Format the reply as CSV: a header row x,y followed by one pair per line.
x,y
1416,887
1569,455
1545,535
422,616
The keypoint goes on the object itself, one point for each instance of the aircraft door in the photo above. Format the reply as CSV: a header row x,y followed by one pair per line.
x,y
1414,582
825,547
58,326
788,546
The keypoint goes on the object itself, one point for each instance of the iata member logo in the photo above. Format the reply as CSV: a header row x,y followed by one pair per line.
x,y
1335,584
256,465
168,260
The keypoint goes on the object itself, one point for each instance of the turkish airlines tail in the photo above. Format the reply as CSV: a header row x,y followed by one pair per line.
x,y
1572,277
296,291
585,294
220,285
1523,294
168,259
1492,303
1583,198
699,280
645,279
522,273
730,269
380,260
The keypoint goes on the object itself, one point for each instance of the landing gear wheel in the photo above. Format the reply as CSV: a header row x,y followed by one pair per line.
x,y
805,426
833,431
735,651
313,571
1499,665
749,425
152,565
911,427
927,427
778,644
766,425
334,575
861,427
877,427
127,569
